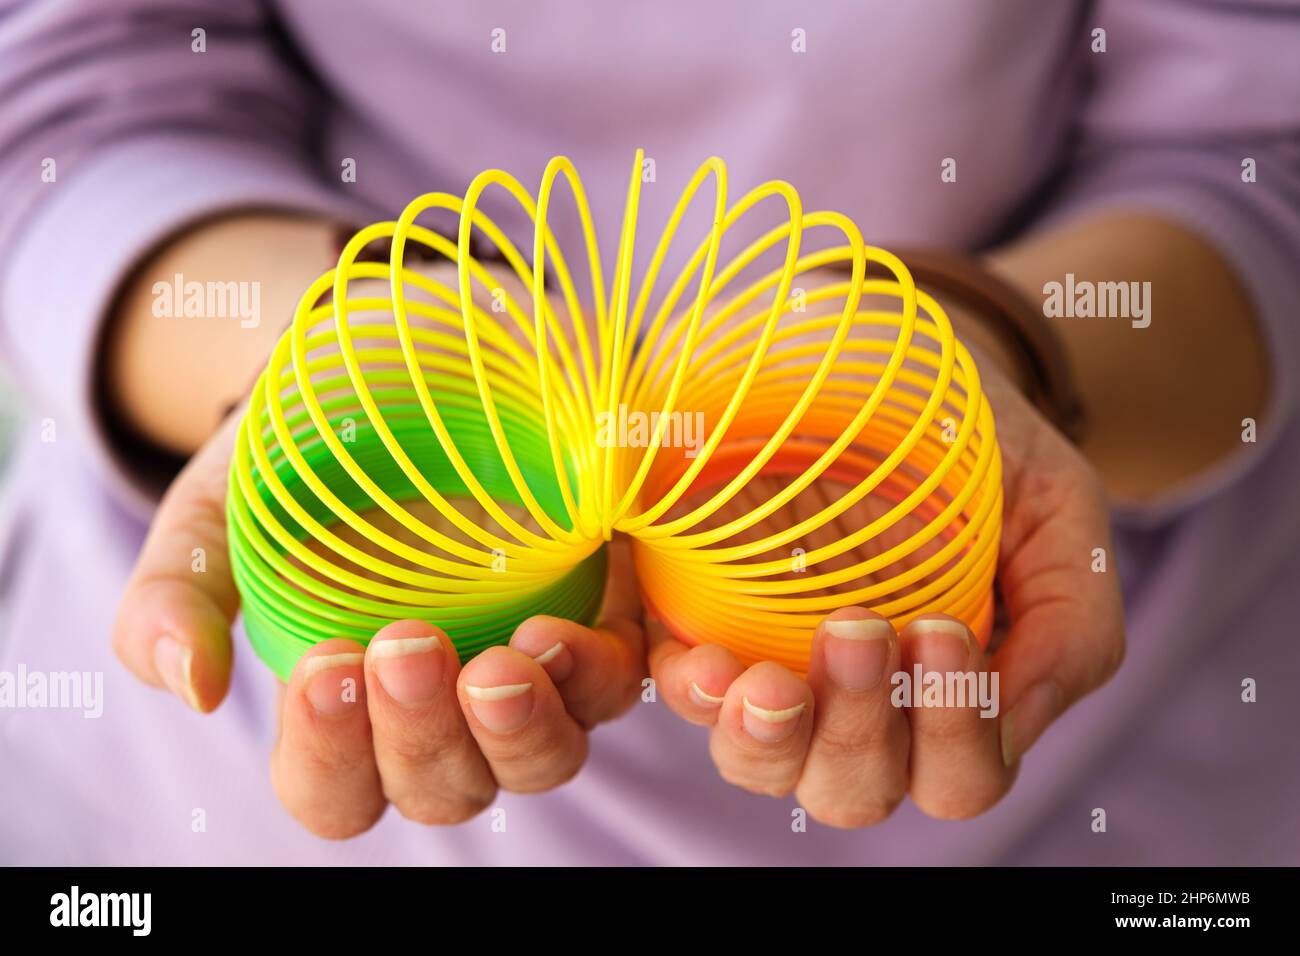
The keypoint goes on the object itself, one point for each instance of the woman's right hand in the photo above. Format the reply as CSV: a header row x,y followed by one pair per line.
x,y
400,721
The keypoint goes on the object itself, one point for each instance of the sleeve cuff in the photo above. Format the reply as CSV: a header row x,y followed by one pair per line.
x,y
94,228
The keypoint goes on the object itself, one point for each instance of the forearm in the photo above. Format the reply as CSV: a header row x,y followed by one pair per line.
x,y
169,373
1166,400
1163,402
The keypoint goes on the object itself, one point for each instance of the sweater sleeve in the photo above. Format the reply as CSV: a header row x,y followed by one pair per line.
x,y
118,128
1193,113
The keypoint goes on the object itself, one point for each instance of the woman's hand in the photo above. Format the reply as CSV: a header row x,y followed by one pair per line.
x,y
840,745
399,721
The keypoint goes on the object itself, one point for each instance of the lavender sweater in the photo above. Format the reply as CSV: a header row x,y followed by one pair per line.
x,y
149,136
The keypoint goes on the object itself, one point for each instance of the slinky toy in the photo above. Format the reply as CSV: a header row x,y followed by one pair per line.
x,y
414,450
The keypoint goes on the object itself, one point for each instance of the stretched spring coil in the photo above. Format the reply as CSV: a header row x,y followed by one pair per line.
x,y
414,450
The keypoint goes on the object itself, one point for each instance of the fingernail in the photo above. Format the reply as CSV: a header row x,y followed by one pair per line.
x,y
502,709
539,643
551,654
943,645
770,726
558,661
334,682
857,651
1026,721
175,664
702,697
409,668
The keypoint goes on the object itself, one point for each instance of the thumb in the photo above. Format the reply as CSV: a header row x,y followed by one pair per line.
x,y
1067,619
173,625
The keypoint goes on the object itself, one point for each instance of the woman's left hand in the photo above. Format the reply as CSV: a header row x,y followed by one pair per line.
x,y
839,743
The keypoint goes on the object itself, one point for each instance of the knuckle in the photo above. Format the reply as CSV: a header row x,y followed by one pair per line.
x,y
411,748
588,712
958,803
539,780
200,502
322,813
443,809
763,785
854,794
843,744
856,814
623,698
950,729
337,825
552,765
324,756
203,488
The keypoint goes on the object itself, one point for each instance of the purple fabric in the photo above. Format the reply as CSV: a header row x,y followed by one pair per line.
x,y
149,136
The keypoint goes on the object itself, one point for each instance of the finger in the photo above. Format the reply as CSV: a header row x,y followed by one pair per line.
x,y
519,721
323,764
1067,633
856,771
693,680
761,737
956,755
173,625
430,766
598,671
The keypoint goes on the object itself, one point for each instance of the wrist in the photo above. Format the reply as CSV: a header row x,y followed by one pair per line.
x,y
1003,328
169,365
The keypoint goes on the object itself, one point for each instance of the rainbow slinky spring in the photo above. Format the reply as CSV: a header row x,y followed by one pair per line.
x,y
811,359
